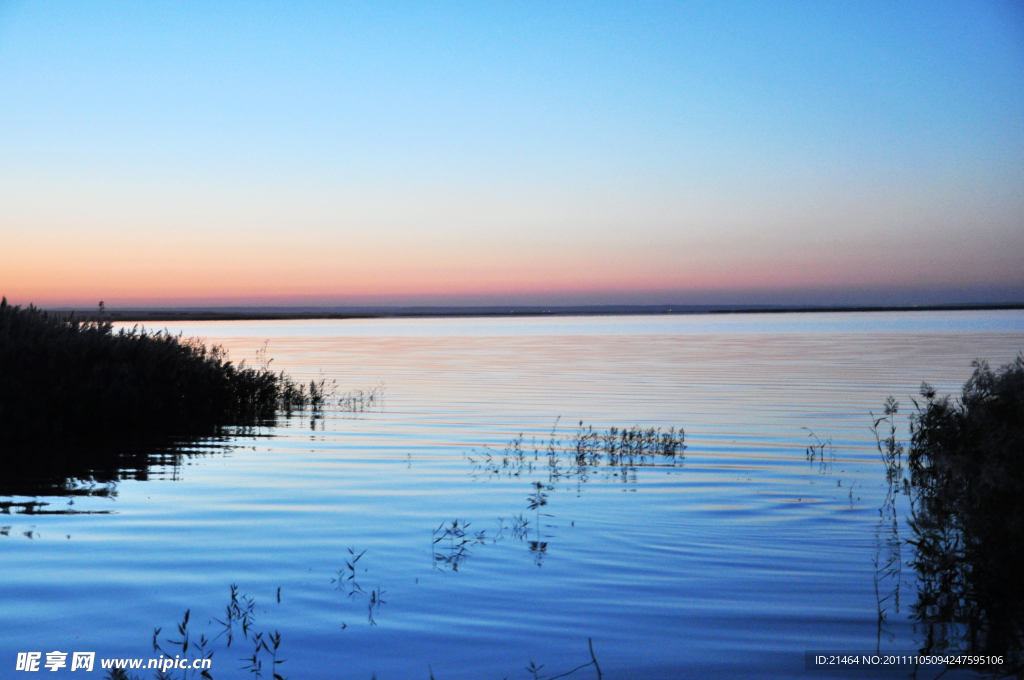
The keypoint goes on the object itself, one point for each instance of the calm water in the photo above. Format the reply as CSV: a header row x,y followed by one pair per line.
x,y
730,560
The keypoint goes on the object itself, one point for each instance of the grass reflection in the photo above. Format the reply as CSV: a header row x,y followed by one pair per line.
x,y
452,542
613,454
94,471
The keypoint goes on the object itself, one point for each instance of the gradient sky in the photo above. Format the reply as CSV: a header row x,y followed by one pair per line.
x,y
369,153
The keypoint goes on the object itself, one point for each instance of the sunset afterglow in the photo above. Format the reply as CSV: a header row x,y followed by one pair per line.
x,y
585,153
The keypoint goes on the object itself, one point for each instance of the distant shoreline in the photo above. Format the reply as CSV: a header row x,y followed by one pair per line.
x,y
309,313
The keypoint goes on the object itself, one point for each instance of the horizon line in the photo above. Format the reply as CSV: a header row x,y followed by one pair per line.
x,y
311,312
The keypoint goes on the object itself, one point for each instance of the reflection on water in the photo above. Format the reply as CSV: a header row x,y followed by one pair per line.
x,y
963,500
452,543
46,507
71,474
176,651
618,452
405,541
821,452
95,470
347,582
182,654
613,454
888,561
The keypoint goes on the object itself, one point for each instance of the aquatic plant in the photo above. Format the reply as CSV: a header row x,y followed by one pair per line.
x,y
254,663
534,670
346,579
346,582
264,660
821,451
373,606
241,610
200,648
520,528
966,464
618,450
357,401
64,380
120,674
451,543
614,453
888,560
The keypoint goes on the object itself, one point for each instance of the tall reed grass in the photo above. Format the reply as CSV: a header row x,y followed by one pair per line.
x,y
966,464
64,380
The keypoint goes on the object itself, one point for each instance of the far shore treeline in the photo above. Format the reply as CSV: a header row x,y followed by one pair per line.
x,y
70,381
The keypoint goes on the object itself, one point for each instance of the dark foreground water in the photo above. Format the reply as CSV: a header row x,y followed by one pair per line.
x,y
483,547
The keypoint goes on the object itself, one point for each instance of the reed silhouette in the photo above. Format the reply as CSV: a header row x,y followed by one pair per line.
x,y
619,452
64,380
359,400
821,452
888,560
966,465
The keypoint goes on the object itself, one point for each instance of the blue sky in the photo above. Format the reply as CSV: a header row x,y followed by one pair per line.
x,y
267,153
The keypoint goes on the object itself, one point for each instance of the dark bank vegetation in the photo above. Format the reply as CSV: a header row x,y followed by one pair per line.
x,y
966,485
67,381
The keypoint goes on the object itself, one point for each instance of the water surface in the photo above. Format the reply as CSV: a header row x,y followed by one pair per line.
x,y
729,560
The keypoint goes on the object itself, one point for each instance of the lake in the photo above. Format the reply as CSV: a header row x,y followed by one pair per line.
x,y
483,545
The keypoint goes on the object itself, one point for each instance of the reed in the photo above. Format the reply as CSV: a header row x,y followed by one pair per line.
x,y
621,450
357,401
69,381
966,467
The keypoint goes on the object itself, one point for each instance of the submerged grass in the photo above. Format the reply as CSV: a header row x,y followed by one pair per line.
x,y
64,381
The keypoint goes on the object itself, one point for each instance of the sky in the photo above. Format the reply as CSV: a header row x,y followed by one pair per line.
x,y
304,153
